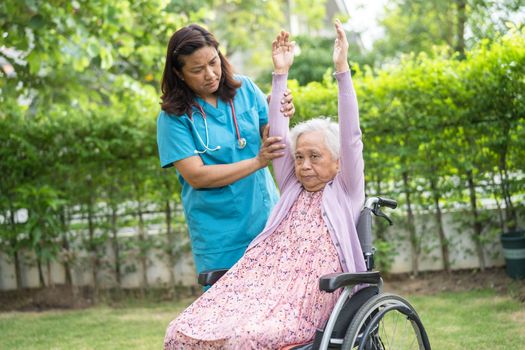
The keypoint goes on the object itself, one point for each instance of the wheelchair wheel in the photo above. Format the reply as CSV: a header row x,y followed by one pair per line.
x,y
385,322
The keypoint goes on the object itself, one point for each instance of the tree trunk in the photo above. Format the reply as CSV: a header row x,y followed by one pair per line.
x,y
501,217
93,250
116,248
50,282
41,280
378,181
65,246
171,243
443,242
478,229
510,212
411,227
461,20
18,270
68,276
14,241
143,250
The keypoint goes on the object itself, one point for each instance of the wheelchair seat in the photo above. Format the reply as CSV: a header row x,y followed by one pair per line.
x,y
368,318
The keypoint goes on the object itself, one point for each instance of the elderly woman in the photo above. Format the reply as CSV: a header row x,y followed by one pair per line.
x,y
270,298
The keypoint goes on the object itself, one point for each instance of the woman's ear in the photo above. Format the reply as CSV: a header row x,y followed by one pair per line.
x,y
179,75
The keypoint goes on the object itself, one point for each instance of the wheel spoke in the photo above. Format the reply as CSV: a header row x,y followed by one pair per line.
x,y
378,326
414,338
395,328
391,334
386,335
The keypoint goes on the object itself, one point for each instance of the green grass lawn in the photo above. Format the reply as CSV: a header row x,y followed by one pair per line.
x,y
467,320
133,326
472,320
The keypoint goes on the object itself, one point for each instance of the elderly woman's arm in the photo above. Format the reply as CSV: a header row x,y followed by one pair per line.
x,y
282,57
351,157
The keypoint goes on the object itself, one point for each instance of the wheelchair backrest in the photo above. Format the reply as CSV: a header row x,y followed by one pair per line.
x,y
364,226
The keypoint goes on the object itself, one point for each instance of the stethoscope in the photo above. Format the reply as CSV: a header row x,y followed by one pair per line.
x,y
241,141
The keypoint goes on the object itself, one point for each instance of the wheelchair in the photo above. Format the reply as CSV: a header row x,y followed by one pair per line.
x,y
366,319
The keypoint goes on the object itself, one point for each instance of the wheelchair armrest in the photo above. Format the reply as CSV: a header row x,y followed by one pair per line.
x,y
333,281
209,277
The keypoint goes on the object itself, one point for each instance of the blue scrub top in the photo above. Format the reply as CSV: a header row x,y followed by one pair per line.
x,y
226,218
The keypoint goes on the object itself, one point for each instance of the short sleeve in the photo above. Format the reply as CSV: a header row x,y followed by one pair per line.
x,y
174,139
260,100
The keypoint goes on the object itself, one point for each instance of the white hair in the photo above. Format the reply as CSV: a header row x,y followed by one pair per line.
x,y
329,129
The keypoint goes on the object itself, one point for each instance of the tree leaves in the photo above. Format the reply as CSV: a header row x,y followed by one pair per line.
x,y
77,123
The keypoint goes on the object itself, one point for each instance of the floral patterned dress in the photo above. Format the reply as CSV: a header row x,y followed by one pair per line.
x,y
271,297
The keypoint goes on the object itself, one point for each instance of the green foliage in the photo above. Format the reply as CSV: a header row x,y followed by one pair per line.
x,y
79,93
77,123
414,26
384,255
314,58
429,117
43,227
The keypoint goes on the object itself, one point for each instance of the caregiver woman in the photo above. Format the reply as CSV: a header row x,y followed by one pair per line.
x,y
210,129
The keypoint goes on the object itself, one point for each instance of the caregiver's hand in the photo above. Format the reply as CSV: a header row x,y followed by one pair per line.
x,y
271,148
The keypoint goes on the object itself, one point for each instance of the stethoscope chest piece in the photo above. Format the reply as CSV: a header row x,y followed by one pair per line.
x,y
242,142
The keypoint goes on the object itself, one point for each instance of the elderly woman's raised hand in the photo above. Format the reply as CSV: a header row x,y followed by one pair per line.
x,y
340,55
282,52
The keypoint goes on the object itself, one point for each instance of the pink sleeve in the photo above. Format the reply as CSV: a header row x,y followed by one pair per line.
x,y
351,157
283,167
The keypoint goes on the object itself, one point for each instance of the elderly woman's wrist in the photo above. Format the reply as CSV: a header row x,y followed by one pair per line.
x,y
342,67
279,77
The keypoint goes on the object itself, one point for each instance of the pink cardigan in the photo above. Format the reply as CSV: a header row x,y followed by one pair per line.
x,y
344,196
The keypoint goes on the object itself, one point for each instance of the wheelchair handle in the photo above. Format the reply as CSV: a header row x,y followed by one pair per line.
x,y
364,233
364,225
374,203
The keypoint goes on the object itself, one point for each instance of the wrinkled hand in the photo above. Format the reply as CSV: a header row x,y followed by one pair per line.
x,y
340,54
287,106
282,52
271,147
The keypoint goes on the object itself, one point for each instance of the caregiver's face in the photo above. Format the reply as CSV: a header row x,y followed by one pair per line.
x,y
202,71
314,164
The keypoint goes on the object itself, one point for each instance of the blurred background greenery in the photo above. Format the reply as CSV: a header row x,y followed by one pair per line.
x,y
441,95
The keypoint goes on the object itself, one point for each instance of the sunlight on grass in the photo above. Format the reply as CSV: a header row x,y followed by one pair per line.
x,y
467,320
472,320
131,327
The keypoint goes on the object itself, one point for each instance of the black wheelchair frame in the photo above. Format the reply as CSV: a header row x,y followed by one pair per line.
x,y
366,319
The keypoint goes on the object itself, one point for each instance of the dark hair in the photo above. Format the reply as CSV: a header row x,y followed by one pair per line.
x,y
177,97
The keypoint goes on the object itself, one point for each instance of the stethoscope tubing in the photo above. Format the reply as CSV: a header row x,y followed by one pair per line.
x,y
240,140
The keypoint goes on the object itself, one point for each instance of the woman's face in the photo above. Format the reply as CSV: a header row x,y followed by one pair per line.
x,y
314,163
201,71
